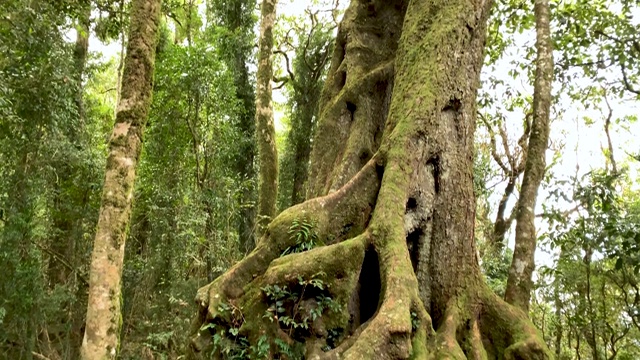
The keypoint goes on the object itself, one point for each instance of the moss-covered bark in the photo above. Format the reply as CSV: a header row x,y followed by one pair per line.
x,y
393,208
80,54
101,338
357,93
520,283
265,129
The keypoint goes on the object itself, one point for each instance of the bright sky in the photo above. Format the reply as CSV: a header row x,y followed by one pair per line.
x,y
580,144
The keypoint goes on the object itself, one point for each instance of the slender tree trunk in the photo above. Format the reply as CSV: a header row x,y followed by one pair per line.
x,y
558,312
511,167
391,202
65,243
101,338
265,129
590,332
120,69
80,54
309,66
503,221
237,17
247,147
520,282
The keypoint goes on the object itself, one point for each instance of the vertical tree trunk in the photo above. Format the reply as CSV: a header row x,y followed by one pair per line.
x,y
558,312
301,159
101,338
239,22
265,130
237,17
80,54
520,282
123,43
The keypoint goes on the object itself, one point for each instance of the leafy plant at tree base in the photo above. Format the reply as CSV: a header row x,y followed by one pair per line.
x,y
285,303
305,236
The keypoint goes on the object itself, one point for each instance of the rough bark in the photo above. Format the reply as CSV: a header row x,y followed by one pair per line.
x,y
120,56
392,205
101,338
520,282
265,129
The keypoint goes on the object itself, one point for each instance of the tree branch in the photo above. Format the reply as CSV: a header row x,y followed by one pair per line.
x,y
286,59
607,124
494,151
626,82
63,261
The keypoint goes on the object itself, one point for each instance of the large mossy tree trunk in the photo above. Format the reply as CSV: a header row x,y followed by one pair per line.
x,y
520,282
391,205
102,332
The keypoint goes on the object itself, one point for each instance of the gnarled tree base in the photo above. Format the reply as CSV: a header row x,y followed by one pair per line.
x,y
374,309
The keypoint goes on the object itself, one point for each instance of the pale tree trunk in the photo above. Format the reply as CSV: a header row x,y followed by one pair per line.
x,y
391,201
520,280
101,338
265,129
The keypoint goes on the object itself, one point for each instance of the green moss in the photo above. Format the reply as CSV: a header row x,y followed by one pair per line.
x,y
419,344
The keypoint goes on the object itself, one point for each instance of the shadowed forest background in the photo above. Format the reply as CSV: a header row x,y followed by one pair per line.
x,y
195,201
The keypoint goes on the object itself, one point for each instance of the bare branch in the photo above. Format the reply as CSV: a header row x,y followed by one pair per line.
x,y
60,258
607,124
494,151
626,82
286,58
173,17
39,356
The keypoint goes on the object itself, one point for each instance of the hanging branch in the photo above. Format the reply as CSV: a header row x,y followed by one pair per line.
x,y
607,124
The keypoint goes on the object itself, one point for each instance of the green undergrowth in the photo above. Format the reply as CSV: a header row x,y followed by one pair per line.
x,y
305,234
294,313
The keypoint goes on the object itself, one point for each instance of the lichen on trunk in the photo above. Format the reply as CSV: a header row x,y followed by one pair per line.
x,y
265,128
101,337
392,272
